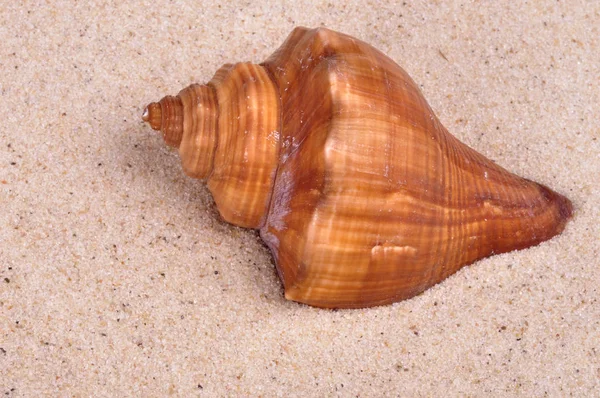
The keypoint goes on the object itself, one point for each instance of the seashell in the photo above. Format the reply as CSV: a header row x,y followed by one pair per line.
x,y
363,197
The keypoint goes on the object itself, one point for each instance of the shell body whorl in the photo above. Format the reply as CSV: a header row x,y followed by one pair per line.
x,y
362,196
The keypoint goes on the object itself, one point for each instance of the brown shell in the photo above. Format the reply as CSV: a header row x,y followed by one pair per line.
x,y
363,197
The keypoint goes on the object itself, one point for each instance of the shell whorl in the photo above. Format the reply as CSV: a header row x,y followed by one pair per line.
x,y
227,131
166,116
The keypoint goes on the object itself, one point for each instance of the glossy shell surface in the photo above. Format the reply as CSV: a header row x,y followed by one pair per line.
x,y
362,196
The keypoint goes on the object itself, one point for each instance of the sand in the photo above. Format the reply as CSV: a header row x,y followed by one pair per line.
x,y
118,278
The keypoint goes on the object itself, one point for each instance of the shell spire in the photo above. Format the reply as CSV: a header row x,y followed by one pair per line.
x,y
363,197
166,115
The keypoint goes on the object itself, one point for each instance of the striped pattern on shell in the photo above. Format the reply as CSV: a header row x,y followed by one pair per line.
x,y
363,197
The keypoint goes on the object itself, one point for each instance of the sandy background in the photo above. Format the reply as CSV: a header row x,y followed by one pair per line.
x,y
117,277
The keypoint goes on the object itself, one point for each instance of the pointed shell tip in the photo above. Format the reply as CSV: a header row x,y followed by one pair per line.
x,y
146,115
153,115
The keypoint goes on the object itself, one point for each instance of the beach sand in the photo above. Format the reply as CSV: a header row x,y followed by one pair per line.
x,y
118,277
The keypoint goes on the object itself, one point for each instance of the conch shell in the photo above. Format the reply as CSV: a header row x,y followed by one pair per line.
x,y
363,197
